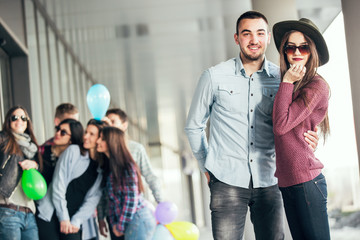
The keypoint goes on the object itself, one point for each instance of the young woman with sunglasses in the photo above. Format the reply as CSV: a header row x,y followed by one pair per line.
x,y
73,194
128,212
18,152
63,138
301,103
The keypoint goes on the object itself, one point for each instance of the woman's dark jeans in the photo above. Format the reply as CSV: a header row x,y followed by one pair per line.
x,y
306,211
229,206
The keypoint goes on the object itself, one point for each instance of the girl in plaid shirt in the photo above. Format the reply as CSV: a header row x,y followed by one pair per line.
x,y
128,213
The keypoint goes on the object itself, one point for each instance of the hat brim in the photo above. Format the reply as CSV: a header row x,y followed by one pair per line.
x,y
281,28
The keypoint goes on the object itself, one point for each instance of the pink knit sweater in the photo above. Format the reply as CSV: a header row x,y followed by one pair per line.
x,y
295,161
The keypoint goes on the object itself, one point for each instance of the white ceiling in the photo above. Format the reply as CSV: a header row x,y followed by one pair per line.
x,y
157,49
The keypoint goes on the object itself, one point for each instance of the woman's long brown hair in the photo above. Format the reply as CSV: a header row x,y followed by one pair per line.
x,y
120,161
99,125
11,147
311,72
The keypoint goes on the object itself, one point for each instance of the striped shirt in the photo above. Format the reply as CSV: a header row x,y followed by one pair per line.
x,y
139,155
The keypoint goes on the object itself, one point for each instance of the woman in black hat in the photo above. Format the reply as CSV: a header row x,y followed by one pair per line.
x,y
301,104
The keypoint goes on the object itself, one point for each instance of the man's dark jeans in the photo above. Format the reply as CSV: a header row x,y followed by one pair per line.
x,y
306,211
229,206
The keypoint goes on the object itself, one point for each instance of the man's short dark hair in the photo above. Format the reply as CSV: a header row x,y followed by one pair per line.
x,y
249,15
65,108
122,115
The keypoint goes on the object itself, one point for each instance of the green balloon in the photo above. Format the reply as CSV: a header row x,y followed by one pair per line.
x,y
33,184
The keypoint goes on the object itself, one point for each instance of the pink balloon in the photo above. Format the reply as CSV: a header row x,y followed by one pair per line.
x,y
166,212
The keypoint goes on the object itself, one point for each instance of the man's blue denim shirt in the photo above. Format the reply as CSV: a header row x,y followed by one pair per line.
x,y
241,140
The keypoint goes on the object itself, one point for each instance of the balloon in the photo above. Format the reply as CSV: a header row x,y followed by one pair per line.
x,y
162,233
98,100
166,212
33,184
183,230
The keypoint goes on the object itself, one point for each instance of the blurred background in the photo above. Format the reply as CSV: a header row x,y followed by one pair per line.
x,y
150,54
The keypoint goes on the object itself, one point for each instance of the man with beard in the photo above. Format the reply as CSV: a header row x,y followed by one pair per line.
x,y
239,157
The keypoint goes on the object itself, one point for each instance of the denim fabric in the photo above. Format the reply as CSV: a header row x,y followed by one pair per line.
x,y
16,225
306,210
241,139
142,226
229,206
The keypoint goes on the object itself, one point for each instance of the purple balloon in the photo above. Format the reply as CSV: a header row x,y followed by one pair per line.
x,y
166,212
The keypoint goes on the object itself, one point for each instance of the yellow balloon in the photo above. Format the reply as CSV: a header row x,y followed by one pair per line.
x,y
183,230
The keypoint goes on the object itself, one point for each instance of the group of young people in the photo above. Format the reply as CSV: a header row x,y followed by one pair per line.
x,y
263,121
96,170
260,152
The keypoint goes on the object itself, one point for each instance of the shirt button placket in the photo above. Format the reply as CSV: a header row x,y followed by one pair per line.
x,y
251,119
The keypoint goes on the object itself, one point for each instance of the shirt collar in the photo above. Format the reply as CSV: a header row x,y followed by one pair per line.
x,y
240,67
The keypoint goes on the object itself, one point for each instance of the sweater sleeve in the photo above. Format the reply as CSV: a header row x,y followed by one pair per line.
x,y
289,113
61,179
146,170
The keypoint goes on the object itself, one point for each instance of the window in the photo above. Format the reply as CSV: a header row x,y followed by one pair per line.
x,y
5,96
339,154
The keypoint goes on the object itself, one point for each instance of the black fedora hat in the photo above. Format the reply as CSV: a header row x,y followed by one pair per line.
x,y
308,28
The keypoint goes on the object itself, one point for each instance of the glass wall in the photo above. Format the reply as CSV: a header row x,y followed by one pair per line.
x,y
339,153
56,75
4,86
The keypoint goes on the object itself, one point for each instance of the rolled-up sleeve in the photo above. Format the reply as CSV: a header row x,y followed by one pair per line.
x,y
146,170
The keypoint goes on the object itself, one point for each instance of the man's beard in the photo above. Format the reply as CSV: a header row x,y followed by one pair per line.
x,y
260,55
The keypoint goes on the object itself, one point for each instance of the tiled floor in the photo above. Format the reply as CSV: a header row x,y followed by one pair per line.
x,y
336,234
205,234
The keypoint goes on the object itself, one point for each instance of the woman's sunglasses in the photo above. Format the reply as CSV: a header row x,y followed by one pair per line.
x,y
14,118
303,49
62,131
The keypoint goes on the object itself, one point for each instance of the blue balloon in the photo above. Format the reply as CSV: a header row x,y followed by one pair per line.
x,y
162,233
98,100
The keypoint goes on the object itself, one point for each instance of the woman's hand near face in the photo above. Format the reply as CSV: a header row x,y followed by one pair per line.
x,y
294,73
28,164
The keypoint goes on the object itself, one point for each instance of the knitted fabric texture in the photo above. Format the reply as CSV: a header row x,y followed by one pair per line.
x,y
292,117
